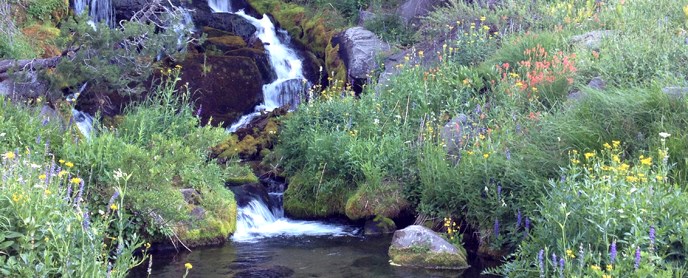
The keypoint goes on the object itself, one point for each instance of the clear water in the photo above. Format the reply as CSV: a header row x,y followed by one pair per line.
x,y
304,256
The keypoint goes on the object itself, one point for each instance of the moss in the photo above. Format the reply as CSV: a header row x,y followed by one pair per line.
x,y
240,180
385,200
421,257
308,197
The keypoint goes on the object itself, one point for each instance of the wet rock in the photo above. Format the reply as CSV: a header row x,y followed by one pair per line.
x,y
591,40
248,192
676,92
597,83
225,87
417,246
380,225
359,48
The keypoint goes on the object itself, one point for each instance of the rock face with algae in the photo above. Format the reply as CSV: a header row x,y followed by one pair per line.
x,y
417,246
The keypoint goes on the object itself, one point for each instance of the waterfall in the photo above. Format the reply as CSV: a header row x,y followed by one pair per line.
x,y
84,122
98,11
285,62
255,221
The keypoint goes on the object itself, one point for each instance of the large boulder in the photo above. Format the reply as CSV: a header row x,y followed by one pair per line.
x,y
360,48
224,87
417,246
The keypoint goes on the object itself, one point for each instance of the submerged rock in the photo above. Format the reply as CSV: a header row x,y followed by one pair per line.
x,y
379,225
417,246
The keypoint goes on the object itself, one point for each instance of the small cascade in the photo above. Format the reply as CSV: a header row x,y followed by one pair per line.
x,y
84,122
256,220
220,6
290,81
98,11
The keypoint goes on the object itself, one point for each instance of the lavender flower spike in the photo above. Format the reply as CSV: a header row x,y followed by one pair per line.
x,y
637,258
496,228
518,219
541,260
612,252
652,238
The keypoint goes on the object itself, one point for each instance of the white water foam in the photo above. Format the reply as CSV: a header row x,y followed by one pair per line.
x,y
84,122
98,11
286,63
255,221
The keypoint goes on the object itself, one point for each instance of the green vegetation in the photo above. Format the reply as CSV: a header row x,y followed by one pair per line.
x,y
483,137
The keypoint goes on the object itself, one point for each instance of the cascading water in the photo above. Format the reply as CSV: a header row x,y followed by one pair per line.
x,y
98,11
285,62
255,221
84,122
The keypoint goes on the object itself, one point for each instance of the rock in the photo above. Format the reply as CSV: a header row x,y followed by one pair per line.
x,y
359,48
417,246
575,96
365,16
22,86
591,40
191,196
225,87
380,225
597,83
456,133
412,11
247,192
676,92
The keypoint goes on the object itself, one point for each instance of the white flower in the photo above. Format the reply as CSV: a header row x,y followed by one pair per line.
x,y
664,135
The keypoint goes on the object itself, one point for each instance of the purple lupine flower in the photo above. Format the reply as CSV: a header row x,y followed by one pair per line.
x,y
518,219
45,121
554,261
80,193
527,224
112,200
518,128
637,258
200,109
38,139
652,238
499,192
69,191
478,110
541,260
562,263
496,227
612,252
86,223
562,178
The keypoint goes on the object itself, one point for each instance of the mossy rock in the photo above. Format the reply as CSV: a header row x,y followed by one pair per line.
x,y
225,87
308,197
379,225
417,246
211,222
241,180
385,200
226,43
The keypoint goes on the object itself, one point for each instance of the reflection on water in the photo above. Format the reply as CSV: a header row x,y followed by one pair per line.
x,y
304,256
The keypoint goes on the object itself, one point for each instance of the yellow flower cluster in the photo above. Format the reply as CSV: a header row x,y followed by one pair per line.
x,y
452,228
570,254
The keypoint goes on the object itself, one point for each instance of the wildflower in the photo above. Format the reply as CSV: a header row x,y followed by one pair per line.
x,y
42,177
75,180
466,82
562,263
486,28
62,173
616,144
607,146
496,228
646,161
624,167
664,135
486,155
188,266
8,155
612,252
659,178
69,164
527,224
610,267
61,161
570,254
482,18
652,238
86,222
541,260
631,178
595,267
589,155
518,219
637,258
147,245
47,192
575,161
606,276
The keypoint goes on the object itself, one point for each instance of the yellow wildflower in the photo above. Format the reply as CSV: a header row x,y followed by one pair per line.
x,y
75,180
47,192
69,164
147,245
616,144
42,177
486,28
589,155
486,155
595,267
62,173
610,267
469,152
421,53
606,276
188,266
482,18
607,146
466,82
631,178
646,161
8,155
61,161
482,137
624,167
570,253
659,178
113,207
575,161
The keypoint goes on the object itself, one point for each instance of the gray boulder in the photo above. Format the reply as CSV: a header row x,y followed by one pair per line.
x,y
411,11
591,40
417,246
597,83
359,48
